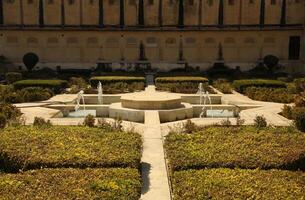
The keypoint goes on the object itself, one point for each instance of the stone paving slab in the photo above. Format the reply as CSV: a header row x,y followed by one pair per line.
x,y
31,112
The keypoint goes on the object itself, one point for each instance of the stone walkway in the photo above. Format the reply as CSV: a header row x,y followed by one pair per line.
x,y
154,171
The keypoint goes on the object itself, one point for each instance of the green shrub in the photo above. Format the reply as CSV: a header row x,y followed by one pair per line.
x,y
3,121
41,122
89,121
118,84
55,85
182,84
227,184
243,147
242,85
32,147
223,86
299,84
279,95
299,121
31,94
64,184
12,77
260,122
11,113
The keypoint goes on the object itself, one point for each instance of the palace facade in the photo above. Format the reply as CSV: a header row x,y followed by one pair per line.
x,y
164,33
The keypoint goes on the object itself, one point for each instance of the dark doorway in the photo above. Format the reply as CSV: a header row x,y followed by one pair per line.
x,y
294,47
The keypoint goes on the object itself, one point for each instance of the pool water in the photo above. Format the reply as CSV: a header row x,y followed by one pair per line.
x,y
219,113
82,113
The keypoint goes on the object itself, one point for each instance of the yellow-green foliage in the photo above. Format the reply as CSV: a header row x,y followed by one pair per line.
x,y
181,84
55,85
31,147
280,95
243,147
225,184
119,84
64,184
242,85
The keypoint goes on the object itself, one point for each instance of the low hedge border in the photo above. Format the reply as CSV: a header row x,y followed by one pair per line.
x,y
243,147
67,184
238,184
182,84
113,79
242,85
29,147
55,85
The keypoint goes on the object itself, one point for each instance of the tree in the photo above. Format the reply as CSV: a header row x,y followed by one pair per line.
x,y
30,60
271,62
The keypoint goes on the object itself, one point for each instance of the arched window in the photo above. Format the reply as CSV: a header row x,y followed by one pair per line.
x,y
131,42
210,41
170,41
112,42
12,40
269,40
190,41
32,40
151,42
249,40
229,40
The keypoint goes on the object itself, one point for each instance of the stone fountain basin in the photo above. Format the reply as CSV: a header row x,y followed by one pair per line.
x,y
151,101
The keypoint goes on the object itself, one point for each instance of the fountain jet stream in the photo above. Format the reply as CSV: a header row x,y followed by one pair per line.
x,y
100,93
80,97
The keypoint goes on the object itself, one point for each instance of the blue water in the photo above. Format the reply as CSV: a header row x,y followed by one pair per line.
x,y
220,113
82,113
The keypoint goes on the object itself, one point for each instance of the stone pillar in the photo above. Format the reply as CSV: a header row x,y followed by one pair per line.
x,y
262,14
181,14
283,13
141,13
21,13
200,13
1,12
41,13
160,13
122,13
81,12
101,13
220,13
63,13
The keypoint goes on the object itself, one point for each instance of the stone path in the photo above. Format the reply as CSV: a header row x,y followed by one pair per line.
x,y
154,171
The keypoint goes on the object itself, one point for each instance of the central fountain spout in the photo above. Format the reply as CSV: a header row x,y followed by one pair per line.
x,y
205,98
100,93
80,97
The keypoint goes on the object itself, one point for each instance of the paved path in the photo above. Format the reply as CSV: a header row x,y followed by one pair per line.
x,y
154,172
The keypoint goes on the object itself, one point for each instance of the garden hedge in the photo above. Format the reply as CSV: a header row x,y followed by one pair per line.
x,y
55,85
238,184
242,85
243,147
119,84
180,84
113,79
30,147
64,184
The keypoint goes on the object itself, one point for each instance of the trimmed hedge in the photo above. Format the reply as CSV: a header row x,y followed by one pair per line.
x,y
64,184
279,95
118,84
242,85
238,184
32,147
243,147
113,79
55,85
187,84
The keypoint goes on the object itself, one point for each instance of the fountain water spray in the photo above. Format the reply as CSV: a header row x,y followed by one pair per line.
x,y
100,93
80,97
200,92
205,98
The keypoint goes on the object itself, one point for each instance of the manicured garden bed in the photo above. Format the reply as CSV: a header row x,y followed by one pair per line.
x,y
182,84
279,95
242,147
31,147
242,85
55,85
238,184
118,84
67,184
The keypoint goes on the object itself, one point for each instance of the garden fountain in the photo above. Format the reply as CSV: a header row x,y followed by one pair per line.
x,y
80,97
100,93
